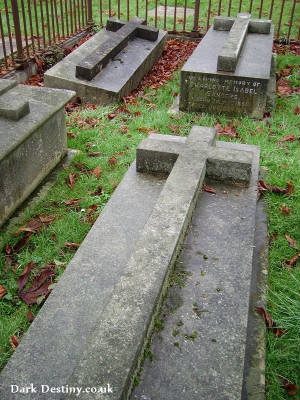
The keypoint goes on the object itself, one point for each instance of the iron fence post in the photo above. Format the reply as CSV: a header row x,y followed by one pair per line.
x,y
90,12
21,59
195,31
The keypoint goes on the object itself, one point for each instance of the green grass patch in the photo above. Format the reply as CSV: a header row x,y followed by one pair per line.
x,y
90,130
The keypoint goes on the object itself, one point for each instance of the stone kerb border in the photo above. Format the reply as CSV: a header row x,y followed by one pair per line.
x,y
113,340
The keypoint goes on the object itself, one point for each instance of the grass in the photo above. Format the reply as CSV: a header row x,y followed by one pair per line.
x,y
90,130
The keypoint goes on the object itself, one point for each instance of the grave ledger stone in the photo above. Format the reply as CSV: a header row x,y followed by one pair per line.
x,y
32,139
111,63
126,257
231,69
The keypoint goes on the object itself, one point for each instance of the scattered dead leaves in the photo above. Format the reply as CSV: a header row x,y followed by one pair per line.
x,y
40,284
30,316
229,130
264,188
269,323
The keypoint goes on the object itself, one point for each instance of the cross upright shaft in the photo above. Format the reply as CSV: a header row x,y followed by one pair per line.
x,y
239,28
122,32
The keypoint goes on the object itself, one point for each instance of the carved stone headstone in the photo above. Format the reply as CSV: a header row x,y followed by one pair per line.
x,y
32,139
111,63
230,70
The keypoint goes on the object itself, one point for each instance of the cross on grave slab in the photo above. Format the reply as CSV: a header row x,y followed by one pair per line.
x,y
239,28
121,33
159,153
12,106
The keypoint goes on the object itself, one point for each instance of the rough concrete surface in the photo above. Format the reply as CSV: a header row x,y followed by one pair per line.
x,y
243,92
120,76
31,145
200,352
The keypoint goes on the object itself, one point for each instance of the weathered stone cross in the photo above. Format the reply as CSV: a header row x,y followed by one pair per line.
x,y
123,31
238,27
165,154
11,105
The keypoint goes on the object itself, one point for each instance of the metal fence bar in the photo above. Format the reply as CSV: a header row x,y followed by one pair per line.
x,y
184,15
137,7
71,15
175,16
25,27
155,18
119,9
79,15
219,7
229,8
67,19
146,12
165,15
43,24
127,10
48,20
280,19
109,8
31,25
240,5
291,19
9,32
101,11
75,16
62,20
261,8
195,32
250,6
56,19
3,42
52,20
17,26
36,24
271,10
208,15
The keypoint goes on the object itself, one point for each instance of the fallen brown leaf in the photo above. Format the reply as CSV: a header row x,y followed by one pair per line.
x,y
71,179
97,171
91,209
209,189
284,210
2,291
14,341
291,241
297,110
71,202
291,388
288,138
72,245
30,316
290,263
112,161
95,154
23,278
21,243
269,323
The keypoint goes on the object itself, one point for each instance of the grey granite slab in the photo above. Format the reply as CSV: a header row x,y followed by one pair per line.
x,y
120,76
54,343
200,352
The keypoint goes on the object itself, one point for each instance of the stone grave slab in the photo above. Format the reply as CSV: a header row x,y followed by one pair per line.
x,y
170,11
32,139
230,71
115,283
111,63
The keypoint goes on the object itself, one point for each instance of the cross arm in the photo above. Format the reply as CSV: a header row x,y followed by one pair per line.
x,y
158,154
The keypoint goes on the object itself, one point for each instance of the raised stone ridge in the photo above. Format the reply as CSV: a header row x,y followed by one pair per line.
x,y
239,27
121,33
